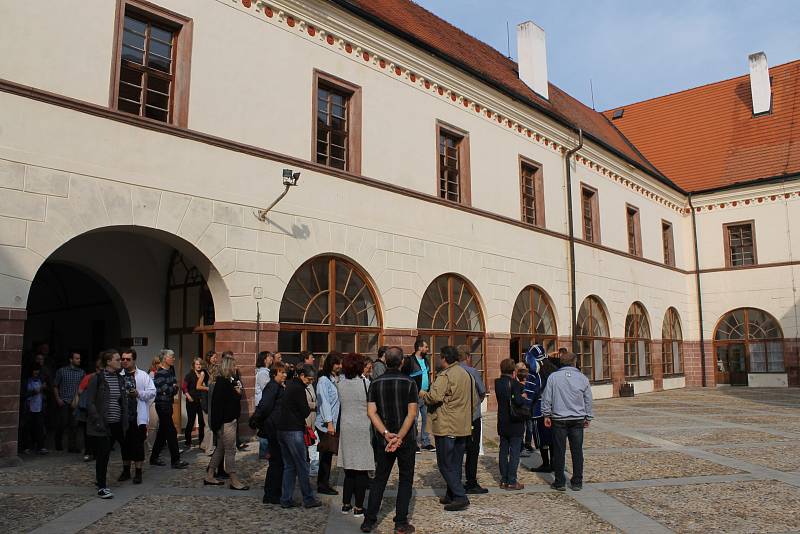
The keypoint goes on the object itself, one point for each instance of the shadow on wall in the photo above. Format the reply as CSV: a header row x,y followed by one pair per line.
x,y
301,231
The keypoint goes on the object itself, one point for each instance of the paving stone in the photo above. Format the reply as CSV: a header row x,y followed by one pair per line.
x,y
715,436
732,507
646,465
22,513
782,456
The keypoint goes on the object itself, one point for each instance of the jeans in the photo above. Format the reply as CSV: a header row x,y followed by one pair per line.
x,y
66,421
509,458
263,447
226,448
424,439
472,451
293,450
572,430
166,434
450,460
384,462
194,411
273,481
528,441
103,451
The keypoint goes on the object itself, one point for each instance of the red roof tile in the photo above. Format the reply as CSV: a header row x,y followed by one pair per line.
x,y
707,138
418,25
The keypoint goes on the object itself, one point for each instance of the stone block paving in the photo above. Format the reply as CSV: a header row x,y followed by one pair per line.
x,y
715,460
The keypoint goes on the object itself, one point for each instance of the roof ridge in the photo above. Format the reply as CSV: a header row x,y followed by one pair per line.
x,y
702,86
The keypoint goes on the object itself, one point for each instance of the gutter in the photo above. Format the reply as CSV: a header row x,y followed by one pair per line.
x,y
699,293
571,225
382,24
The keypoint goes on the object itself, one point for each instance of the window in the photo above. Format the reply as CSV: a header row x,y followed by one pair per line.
x,y
637,342
672,343
633,230
531,192
150,72
328,305
449,314
593,340
533,321
740,244
452,164
590,214
748,340
668,243
337,123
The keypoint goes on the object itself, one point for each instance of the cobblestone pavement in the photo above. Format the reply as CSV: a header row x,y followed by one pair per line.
x,y
719,460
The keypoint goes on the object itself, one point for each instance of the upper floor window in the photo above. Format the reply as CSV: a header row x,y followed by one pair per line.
x,y
668,243
151,63
740,244
531,192
337,123
452,164
590,214
633,230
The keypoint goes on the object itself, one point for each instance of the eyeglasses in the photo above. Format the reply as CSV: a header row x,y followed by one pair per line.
x,y
126,359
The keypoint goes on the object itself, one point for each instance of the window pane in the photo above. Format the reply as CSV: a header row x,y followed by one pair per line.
x,y
317,342
775,357
345,342
289,342
368,345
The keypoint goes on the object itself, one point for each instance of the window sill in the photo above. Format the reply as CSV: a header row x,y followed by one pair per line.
x,y
674,375
600,382
638,378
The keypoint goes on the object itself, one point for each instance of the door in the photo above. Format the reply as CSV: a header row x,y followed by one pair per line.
x,y
731,366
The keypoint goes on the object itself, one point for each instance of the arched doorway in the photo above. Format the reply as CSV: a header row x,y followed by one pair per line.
x,y
672,343
532,322
637,343
593,338
317,319
747,340
115,287
450,314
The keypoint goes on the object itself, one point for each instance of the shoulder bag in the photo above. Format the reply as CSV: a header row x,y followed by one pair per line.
x,y
517,414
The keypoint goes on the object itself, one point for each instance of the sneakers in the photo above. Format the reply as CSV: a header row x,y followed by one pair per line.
x,y
358,512
87,457
417,450
475,489
325,490
346,508
456,506
180,464
575,487
429,448
313,504
557,488
290,504
43,451
408,528
157,461
105,493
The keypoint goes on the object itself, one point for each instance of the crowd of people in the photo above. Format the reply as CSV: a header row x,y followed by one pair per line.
x,y
369,414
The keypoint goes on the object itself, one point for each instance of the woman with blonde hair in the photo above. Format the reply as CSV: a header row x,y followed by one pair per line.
x,y
210,372
225,405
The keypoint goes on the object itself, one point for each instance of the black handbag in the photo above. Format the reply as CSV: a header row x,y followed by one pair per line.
x,y
517,414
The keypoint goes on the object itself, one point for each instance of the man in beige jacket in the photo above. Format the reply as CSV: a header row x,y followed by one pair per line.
x,y
451,401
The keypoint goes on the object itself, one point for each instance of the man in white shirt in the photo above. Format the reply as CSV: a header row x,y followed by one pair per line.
x,y
140,393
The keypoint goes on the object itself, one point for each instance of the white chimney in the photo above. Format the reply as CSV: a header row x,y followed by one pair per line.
x,y
532,57
759,83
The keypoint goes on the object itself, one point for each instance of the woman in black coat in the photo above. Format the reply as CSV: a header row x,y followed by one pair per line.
x,y
266,415
511,431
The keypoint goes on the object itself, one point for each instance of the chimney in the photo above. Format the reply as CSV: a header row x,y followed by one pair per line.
x,y
759,83
532,57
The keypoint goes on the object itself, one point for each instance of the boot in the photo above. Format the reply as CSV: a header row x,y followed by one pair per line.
x,y
137,478
126,474
545,467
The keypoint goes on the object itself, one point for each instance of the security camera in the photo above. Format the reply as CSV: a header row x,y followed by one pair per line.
x,y
290,177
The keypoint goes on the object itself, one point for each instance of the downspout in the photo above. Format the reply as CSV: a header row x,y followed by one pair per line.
x,y
699,293
571,225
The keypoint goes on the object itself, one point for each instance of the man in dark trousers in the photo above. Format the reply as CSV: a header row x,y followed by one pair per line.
x,y
473,449
567,409
166,389
418,368
392,408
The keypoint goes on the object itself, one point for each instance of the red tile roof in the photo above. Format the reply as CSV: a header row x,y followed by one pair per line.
x,y
707,138
412,22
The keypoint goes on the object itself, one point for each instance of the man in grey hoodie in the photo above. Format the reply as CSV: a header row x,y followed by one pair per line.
x,y
567,409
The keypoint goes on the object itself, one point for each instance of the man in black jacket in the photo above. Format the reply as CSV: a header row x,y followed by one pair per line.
x,y
417,367
291,432
267,414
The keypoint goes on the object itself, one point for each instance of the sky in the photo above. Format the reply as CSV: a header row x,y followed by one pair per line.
x,y
633,50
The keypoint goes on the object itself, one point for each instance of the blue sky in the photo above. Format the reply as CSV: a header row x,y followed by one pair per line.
x,y
637,49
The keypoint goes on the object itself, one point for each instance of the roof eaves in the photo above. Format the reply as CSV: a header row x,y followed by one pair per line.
x,y
359,12
748,183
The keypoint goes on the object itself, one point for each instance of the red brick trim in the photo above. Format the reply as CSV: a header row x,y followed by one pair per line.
x,y
12,329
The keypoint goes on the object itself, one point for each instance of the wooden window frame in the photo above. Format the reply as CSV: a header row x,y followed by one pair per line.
x,y
727,243
632,218
668,243
594,304
631,345
181,56
354,107
538,191
464,180
595,210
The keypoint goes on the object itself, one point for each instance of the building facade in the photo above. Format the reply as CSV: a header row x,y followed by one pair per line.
x,y
140,142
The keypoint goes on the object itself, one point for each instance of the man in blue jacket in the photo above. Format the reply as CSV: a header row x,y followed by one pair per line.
x,y
567,410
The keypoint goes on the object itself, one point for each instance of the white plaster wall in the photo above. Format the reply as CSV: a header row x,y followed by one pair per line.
x,y
674,382
642,386
602,391
767,380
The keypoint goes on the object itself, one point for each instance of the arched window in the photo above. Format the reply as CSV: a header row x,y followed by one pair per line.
x,y
533,321
672,343
593,338
747,340
637,342
317,319
450,315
